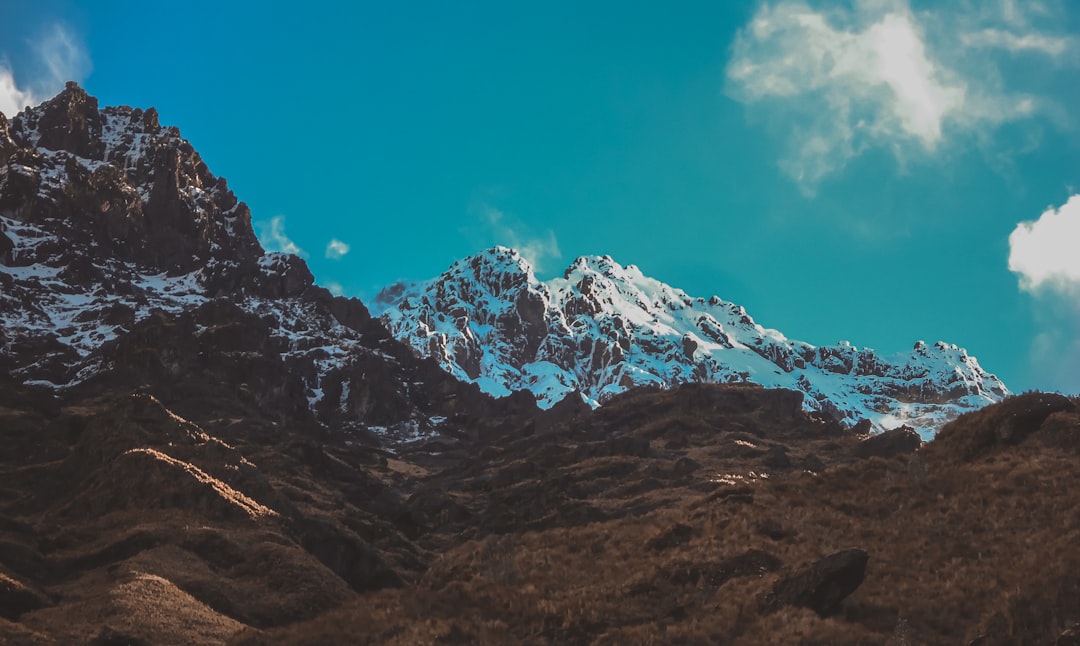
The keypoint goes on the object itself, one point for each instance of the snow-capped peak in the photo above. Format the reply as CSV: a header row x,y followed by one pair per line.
x,y
603,328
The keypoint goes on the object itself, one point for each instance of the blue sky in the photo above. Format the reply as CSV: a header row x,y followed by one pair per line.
x,y
879,171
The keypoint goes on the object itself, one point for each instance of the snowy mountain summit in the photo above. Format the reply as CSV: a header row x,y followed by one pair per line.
x,y
604,328
126,264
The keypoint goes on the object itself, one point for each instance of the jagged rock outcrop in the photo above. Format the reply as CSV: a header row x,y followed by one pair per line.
x,y
602,329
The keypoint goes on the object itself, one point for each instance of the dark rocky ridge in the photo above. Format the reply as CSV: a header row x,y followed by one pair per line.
x,y
125,262
149,199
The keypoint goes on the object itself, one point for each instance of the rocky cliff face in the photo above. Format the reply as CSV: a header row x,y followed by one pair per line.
x,y
125,262
603,328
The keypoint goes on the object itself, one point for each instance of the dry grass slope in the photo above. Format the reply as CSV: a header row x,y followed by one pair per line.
x,y
702,515
971,539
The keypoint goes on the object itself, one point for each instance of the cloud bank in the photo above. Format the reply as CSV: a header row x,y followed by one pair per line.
x,y
1045,253
272,236
336,249
836,82
58,56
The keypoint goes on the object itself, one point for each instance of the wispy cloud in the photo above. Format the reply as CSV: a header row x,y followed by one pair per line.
x,y
1045,255
838,82
63,54
59,56
507,230
336,249
1053,46
273,238
335,288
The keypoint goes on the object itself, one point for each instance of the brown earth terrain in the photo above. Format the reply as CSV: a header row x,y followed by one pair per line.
x,y
702,515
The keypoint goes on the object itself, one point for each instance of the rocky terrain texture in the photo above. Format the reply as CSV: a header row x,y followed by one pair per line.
x,y
602,329
206,448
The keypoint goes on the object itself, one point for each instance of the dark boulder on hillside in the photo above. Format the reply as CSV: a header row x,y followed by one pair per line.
x,y
898,441
823,585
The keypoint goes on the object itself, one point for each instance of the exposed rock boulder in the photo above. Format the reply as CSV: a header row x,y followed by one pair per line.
x,y
823,585
898,441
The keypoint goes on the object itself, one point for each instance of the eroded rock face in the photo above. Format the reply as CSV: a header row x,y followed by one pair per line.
x,y
602,329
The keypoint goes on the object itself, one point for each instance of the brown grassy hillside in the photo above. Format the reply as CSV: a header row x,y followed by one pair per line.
x,y
976,537
706,514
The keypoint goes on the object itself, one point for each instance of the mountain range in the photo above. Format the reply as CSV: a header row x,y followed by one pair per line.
x,y
202,445
110,217
602,329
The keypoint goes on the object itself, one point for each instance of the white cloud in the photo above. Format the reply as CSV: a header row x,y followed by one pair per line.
x,y
59,57
838,82
1046,252
12,98
511,232
273,238
1044,255
335,288
336,249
